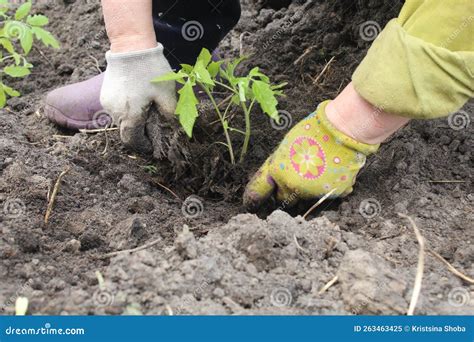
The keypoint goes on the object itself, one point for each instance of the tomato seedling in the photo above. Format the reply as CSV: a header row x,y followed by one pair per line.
x,y
243,91
19,30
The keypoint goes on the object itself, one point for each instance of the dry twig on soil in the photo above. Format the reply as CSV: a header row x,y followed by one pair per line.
x,y
318,203
420,269
451,268
52,199
99,130
106,141
169,310
133,250
328,285
305,53
326,67
241,42
166,189
298,244
447,181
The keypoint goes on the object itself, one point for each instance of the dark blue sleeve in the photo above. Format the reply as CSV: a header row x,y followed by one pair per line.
x,y
184,27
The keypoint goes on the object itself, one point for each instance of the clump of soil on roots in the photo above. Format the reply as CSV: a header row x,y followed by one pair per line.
x,y
205,255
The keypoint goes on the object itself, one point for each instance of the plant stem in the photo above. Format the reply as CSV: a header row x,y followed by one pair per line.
x,y
227,110
226,86
221,118
245,147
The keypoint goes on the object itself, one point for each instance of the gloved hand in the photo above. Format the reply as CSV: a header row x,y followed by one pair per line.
x,y
313,159
127,93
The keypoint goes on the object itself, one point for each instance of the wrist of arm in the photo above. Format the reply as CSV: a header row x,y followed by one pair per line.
x,y
360,120
129,25
129,43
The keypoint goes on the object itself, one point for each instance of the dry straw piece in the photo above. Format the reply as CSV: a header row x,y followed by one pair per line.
x,y
420,269
52,199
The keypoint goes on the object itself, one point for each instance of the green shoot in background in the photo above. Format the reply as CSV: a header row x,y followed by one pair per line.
x,y
19,30
245,92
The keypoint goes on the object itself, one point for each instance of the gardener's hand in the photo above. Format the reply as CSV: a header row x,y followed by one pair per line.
x,y
127,93
313,160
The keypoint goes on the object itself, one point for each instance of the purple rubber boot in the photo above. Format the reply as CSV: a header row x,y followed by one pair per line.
x,y
77,106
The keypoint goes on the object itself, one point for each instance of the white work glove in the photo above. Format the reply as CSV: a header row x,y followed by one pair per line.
x,y
127,93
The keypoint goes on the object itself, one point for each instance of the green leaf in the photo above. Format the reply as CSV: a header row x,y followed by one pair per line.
x,y
17,58
202,74
187,68
45,37
3,97
213,68
236,100
26,41
234,64
279,86
37,20
23,11
255,72
243,85
16,71
204,57
11,92
171,76
7,45
187,108
3,6
265,97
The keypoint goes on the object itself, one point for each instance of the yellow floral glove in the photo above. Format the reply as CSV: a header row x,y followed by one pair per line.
x,y
313,160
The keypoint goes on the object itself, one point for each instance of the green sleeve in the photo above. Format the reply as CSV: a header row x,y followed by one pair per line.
x,y
422,64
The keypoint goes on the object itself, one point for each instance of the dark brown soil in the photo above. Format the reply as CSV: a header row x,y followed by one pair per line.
x,y
217,262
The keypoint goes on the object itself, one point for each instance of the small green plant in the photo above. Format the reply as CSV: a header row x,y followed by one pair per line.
x,y
19,30
244,92
150,169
